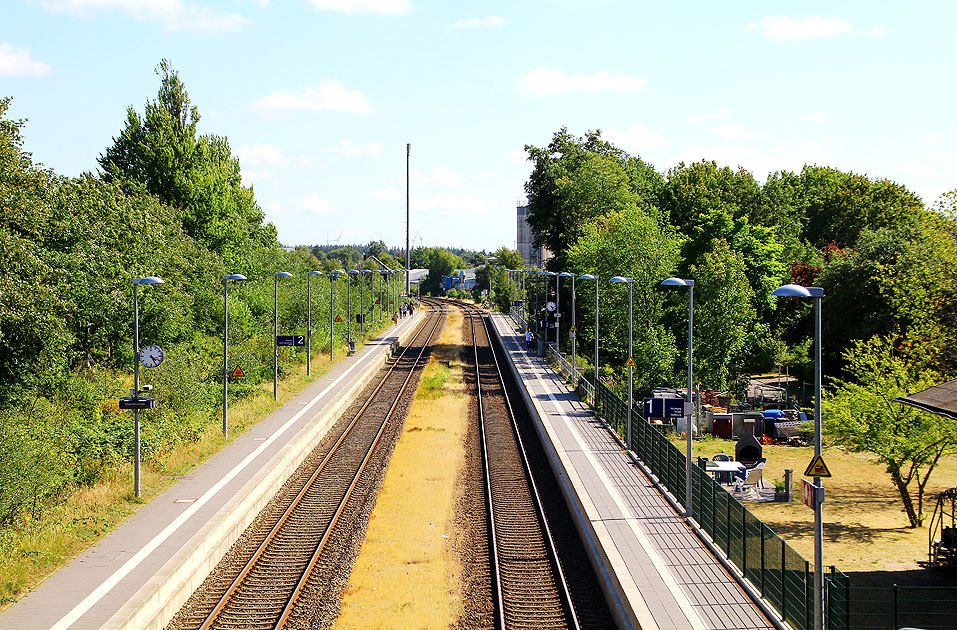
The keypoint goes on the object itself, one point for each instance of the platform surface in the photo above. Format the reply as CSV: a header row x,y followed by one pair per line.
x,y
658,573
113,573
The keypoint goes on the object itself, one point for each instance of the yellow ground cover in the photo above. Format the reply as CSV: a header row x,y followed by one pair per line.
x,y
406,575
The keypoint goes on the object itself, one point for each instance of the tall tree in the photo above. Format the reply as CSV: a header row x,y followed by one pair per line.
x,y
863,417
577,180
196,175
723,316
631,244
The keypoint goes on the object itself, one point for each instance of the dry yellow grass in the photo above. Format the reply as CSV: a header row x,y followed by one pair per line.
x,y
405,575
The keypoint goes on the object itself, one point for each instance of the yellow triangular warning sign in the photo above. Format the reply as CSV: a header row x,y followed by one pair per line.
x,y
630,362
338,318
378,302
237,373
572,329
817,468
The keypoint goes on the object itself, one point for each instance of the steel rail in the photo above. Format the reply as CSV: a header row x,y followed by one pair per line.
x,y
218,608
547,538
287,610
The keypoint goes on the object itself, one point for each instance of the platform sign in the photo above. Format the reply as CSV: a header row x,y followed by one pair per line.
x,y
817,468
290,340
237,372
663,408
811,494
137,402
571,334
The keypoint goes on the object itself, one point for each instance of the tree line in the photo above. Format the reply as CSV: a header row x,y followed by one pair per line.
x,y
884,259
166,201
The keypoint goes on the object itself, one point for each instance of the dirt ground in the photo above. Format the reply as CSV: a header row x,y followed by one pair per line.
x,y
866,532
406,575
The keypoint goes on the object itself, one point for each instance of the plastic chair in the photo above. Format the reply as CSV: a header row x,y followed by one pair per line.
x,y
751,483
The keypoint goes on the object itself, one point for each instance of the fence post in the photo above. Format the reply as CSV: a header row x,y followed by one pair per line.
x,y
807,607
784,594
744,542
762,558
896,625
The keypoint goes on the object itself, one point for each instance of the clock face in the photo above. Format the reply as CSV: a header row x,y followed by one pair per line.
x,y
151,356
550,305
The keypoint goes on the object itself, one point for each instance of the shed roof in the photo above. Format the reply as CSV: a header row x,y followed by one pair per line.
x,y
940,399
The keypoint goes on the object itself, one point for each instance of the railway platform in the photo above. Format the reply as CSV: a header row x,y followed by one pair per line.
x,y
140,574
656,573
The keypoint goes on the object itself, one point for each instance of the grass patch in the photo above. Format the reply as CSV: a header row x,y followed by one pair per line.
x,y
406,575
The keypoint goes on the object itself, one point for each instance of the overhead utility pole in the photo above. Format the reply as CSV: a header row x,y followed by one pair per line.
x,y
408,254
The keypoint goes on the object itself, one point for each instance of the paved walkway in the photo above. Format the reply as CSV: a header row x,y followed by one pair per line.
x,y
139,574
659,574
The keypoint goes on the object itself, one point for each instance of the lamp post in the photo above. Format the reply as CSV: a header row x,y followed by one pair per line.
x,y
594,277
558,310
136,376
362,298
565,274
309,320
552,274
275,340
631,361
817,294
226,279
332,317
679,283
352,272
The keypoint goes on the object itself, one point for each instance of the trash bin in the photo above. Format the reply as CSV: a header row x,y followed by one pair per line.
x,y
541,348
352,346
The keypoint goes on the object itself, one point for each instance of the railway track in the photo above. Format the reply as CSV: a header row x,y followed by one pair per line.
x,y
529,588
262,590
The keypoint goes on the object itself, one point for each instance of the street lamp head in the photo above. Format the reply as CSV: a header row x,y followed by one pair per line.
x,y
235,276
588,276
353,272
283,274
148,280
314,273
550,273
676,283
621,279
565,274
335,274
368,271
796,290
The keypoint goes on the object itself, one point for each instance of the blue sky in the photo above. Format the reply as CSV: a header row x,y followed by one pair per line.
x,y
319,97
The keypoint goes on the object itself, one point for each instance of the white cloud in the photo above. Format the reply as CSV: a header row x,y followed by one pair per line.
x,y
329,96
544,82
259,154
440,176
732,132
174,15
384,194
877,31
453,206
491,21
813,117
759,160
917,170
350,148
637,137
723,113
314,204
782,28
16,62
356,7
